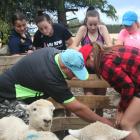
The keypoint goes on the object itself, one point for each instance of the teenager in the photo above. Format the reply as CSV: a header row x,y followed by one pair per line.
x,y
51,34
120,67
19,40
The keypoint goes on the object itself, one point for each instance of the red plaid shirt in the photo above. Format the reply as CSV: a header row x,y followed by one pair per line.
x,y
122,71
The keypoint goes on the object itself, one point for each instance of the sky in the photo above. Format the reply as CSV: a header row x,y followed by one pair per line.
x,y
121,7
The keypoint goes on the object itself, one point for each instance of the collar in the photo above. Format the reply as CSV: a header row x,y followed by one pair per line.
x,y
57,62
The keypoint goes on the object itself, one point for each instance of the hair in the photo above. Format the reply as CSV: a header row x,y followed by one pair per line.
x,y
90,8
43,17
138,24
98,51
18,16
91,13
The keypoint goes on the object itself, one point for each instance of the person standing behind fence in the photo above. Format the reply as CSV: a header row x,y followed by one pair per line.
x,y
130,35
92,31
19,40
51,34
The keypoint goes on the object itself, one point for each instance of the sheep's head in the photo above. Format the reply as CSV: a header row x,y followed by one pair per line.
x,y
99,131
40,114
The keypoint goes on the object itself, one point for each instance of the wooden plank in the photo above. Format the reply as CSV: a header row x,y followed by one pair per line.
x,y
93,81
93,101
88,83
8,61
65,123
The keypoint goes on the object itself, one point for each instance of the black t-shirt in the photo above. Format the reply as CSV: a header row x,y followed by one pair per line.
x,y
37,71
57,40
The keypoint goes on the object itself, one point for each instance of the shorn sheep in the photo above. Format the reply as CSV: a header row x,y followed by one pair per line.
x,y
40,118
97,131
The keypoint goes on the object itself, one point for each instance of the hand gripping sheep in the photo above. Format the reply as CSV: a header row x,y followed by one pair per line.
x,y
40,118
97,131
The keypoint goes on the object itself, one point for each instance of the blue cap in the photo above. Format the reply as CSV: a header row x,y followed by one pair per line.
x,y
129,18
74,61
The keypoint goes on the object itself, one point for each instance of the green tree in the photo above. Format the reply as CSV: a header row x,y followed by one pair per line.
x,y
63,6
30,7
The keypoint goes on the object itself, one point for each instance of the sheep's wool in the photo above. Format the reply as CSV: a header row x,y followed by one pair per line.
x,y
98,130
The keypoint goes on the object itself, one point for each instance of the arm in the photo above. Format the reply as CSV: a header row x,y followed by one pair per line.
x,y
80,34
13,45
63,95
106,36
37,42
67,36
69,42
119,42
84,112
121,37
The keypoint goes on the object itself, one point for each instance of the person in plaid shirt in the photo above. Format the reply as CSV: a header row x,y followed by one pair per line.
x,y
120,67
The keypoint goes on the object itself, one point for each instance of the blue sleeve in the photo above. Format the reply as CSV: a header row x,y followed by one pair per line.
x,y
13,44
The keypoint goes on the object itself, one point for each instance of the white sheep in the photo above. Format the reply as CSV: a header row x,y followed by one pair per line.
x,y
40,118
97,131
39,135
40,114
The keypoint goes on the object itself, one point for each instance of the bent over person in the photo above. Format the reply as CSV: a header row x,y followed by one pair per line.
x,y
44,71
120,67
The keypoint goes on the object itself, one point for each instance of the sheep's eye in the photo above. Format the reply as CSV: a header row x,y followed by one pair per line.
x,y
34,109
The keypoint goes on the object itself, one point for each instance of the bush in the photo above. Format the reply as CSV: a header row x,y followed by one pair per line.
x,y
5,29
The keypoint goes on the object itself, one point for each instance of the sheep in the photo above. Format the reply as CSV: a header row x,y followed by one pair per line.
x,y
39,135
97,131
40,118
70,137
40,114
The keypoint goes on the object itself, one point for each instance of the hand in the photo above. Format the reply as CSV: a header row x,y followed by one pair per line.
x,y
106,121
119,116
23,35
29,51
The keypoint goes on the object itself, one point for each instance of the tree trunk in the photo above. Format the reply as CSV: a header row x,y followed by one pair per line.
x,y
61,13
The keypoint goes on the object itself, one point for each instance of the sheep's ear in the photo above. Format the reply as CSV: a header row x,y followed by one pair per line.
x,y
52,107
22,106
75,133
121,134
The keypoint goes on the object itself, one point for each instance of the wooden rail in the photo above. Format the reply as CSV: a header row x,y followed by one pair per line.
x,y
70,122
92,101
8,61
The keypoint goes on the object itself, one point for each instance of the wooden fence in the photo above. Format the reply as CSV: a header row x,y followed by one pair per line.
x,y
94,101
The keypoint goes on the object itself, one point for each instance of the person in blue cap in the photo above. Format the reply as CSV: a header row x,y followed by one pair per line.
x,y
44,72
130,35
